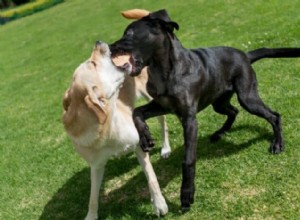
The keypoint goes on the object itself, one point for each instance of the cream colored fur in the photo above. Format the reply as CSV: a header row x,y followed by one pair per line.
x,y
99,122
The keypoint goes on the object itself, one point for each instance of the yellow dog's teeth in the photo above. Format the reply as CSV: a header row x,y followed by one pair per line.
x,y
135,13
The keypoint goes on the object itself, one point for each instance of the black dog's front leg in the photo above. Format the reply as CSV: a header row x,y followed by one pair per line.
x,y
140,115
190,127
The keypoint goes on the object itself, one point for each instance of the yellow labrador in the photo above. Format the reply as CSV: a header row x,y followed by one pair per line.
x,y
99,122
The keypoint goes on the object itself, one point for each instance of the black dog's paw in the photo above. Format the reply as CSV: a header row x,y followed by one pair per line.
x,y
146,141
276,148
187,198
215,137
145,144
185,209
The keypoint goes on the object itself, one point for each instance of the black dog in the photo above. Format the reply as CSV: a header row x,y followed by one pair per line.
x,y
184,82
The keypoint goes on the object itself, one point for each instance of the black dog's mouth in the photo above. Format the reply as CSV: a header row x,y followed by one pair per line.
x,y
126,68
133,67
118,50
137,66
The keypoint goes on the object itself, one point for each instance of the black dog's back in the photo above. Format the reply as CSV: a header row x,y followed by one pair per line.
x,y
253,55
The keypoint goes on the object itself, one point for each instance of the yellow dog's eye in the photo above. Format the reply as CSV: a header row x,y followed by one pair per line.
x,y
94,63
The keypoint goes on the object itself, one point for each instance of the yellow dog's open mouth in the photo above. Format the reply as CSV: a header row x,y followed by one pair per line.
x,y
126,68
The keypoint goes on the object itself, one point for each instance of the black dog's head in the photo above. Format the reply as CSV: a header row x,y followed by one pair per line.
x,y
143,38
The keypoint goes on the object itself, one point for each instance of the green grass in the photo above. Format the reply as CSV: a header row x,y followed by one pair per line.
x,y
41,177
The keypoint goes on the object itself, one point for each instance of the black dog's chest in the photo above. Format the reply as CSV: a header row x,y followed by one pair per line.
x,y
159,92
166,93
179,92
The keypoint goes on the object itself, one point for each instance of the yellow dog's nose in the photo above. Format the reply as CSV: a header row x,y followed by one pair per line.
x,y
100,46
98,43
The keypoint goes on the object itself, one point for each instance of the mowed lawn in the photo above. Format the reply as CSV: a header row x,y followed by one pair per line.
x,y
41,176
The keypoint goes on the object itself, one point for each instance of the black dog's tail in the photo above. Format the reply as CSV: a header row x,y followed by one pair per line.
x,y
261,53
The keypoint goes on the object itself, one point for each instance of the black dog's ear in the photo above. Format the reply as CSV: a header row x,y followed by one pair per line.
x,y
162,15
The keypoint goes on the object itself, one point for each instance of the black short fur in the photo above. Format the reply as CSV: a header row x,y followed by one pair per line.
x,y
184,82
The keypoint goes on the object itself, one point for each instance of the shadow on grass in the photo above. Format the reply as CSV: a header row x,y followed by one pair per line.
x,y
224,147
71,200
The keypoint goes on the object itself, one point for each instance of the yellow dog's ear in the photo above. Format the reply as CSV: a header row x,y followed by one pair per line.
x,y
135,13
66,100
97,104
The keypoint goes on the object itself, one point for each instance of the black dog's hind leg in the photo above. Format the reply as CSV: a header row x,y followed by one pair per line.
x,y
140,115
222,106
190,129
246,87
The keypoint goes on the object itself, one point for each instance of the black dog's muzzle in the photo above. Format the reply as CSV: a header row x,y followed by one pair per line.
x,y
137,65
122,47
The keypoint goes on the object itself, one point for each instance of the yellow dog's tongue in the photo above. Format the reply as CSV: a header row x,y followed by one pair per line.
x,y
135,13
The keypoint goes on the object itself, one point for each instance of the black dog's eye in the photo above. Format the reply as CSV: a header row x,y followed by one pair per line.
x,y
129,33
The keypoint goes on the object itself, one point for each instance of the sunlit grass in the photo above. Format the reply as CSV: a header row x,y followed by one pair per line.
x,y
41,177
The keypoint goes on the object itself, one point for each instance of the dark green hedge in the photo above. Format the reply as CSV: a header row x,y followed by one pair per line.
x,y
28,11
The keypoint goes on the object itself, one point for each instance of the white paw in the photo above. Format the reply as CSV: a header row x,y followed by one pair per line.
x,y
165,151
160,206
